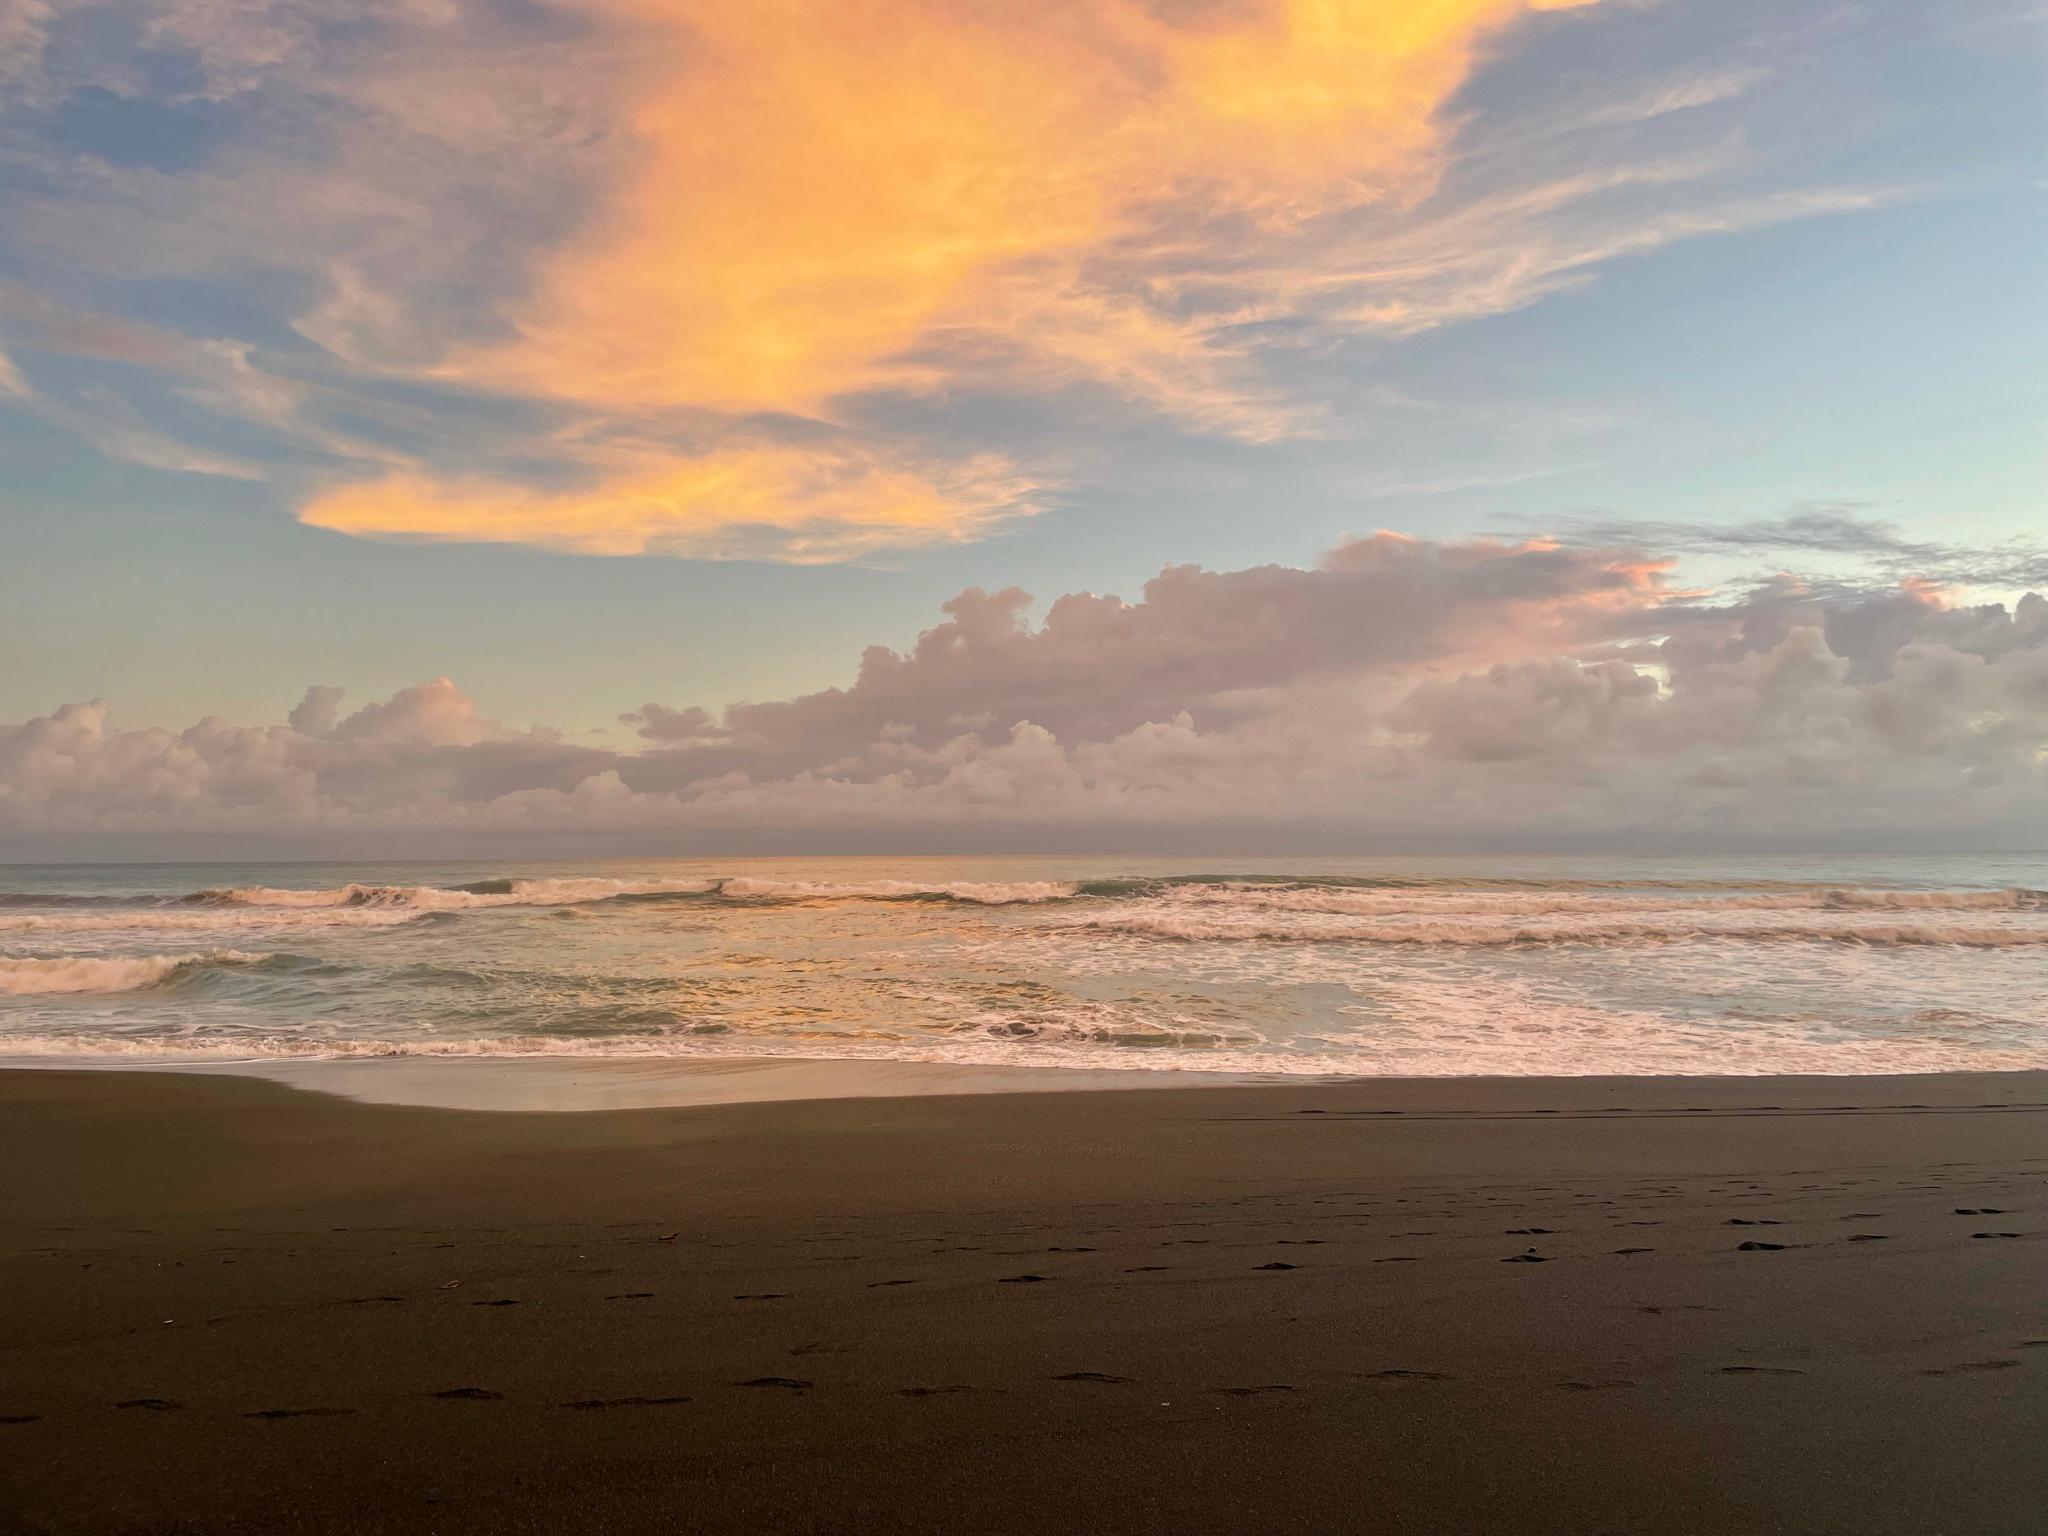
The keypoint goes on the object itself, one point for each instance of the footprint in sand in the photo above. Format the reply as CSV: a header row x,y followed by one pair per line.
x,y
1994,1234
1530,1257
930,1391
761,1296
1744,1221
1625,1252
1399,1375
586,1404
1866,1237
1102,1377
1250,1391
793,1383
1529,1232
1594,1386
630,1296
500,1302
1753,1246
472,1395
1147,1269
299,1413
1760,1370
1020,1280
1978,1210
874,1284
1968,1366
1276,1264
153,1404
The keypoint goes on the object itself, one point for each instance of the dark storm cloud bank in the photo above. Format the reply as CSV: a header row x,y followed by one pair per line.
x,y
1401,694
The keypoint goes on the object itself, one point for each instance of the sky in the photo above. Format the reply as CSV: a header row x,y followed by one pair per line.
x,y
664,424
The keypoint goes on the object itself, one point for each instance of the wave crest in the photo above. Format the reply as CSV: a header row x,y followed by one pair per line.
x,y
431,898
102,920
1332,928
1354,902
130,973
989,893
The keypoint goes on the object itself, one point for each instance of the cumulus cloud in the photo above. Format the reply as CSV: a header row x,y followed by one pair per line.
x,y
436,714
1212,643
1515,693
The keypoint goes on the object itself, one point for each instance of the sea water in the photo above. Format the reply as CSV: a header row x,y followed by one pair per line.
x,y
1388,966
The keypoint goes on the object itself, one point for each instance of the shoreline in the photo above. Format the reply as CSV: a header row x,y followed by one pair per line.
x,y
537,1083
572,1084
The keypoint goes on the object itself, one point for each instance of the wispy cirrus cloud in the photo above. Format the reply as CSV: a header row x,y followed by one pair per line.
x,y
757,239
796,504
1833,535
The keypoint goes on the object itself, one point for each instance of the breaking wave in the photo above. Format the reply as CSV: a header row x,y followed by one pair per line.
x,y
1864,966
1351,896
1351,901
156,920
555,893
430,898
1675,927
984,892
133,973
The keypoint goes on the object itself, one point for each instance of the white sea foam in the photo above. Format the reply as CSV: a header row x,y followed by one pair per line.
x,y
1300,973
130,973
203,920
371,904
2012,899
984,892
1352,901
1675,926
1492,1042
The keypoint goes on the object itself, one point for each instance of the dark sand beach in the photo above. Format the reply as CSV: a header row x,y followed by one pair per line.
x,y
1585,1305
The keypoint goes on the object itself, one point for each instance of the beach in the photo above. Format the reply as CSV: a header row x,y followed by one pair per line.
x,y
1537,1304
1134,768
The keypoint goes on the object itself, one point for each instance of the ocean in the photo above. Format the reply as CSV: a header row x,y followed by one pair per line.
x,y
1370,966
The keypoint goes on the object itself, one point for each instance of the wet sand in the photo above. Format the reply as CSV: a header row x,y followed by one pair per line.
x,y
1628,1305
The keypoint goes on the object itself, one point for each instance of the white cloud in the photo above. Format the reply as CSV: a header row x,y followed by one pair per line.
x,y
1401,688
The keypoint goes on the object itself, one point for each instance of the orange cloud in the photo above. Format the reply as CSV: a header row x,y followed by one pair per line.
x,y
904,195
794,504
819,187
